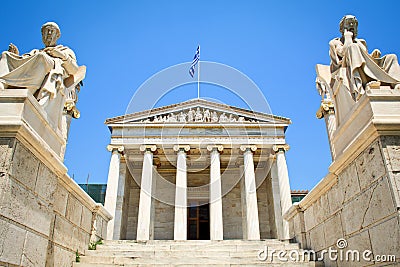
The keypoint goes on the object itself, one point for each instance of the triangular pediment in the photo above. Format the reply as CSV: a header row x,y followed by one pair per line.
x,y
198,111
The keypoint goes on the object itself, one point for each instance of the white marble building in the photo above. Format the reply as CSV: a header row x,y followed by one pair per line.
x,y
198,170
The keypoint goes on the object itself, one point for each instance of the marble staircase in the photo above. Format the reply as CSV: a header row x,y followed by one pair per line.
x,y
192,253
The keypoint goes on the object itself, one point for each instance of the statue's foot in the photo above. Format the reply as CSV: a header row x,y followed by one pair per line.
x,y
2,86
373,85
397,86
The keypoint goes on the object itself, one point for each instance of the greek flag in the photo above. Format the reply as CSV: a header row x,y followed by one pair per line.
x,y
196,59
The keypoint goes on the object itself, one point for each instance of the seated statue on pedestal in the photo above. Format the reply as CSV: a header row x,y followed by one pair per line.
x,y
362,69
51,74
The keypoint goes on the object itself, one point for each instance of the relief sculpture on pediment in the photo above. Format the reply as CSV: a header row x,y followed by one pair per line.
x,y
198,115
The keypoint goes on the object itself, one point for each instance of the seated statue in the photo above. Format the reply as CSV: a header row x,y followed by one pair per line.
x,y
362,69
51,74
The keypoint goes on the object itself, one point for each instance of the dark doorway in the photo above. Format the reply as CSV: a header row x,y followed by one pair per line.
x,y
198,222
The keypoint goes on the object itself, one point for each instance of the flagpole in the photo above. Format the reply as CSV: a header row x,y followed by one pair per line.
x,y
198,78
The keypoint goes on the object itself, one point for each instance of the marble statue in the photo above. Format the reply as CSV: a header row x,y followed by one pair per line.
x,y
172,117
223,118
214,117
51,74
207,115
71,99
43,71
182,117
362,68
198,115
190,115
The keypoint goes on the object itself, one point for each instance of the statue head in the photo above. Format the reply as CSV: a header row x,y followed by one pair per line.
x,y
350,23
50,33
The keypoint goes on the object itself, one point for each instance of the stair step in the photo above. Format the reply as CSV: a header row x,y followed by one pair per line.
x,y
193,242
189,253
187,259
289,264
151,253
196,248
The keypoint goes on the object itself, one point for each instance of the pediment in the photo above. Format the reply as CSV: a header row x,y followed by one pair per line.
x,y
198,111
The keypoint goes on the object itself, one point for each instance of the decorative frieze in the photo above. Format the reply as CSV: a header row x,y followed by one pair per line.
x,y
198,115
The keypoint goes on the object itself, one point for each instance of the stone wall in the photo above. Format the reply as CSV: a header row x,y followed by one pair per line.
x,y
360,204
133,191
232,212
45,217
265,210
164,221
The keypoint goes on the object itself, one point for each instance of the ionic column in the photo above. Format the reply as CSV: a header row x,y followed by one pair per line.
x,y
115,183
243,200
284,187
180,221
327,111
216,223
276,195
252,221
144,231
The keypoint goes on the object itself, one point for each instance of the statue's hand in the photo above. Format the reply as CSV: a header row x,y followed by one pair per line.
x,y
348,35
376,53
13,49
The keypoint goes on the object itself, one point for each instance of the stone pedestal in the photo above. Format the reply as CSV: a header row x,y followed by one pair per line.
x,y
45,217
359,199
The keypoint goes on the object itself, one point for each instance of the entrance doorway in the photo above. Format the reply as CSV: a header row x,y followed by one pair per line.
x,y
198,222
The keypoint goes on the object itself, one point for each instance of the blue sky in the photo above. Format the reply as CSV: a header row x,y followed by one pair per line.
x,y
275,43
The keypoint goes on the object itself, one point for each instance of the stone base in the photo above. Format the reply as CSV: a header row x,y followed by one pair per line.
x,y
44,218
359,200
360,204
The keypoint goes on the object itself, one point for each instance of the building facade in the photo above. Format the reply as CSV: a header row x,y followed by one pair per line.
x,y
198,170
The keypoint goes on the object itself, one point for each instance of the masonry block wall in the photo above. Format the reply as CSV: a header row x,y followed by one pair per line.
x,y
44,217
362,206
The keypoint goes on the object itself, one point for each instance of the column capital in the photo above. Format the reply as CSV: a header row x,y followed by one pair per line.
x,y
280,148
245,148
326,107
150,148
115,148
184,148
219,148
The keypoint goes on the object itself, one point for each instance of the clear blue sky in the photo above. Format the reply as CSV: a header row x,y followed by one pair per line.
x,y
275,43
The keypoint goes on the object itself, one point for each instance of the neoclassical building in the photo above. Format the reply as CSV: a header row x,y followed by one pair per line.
x,y
198,170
